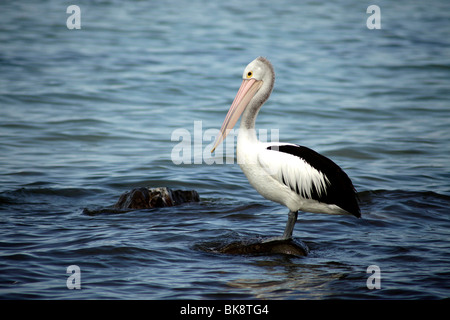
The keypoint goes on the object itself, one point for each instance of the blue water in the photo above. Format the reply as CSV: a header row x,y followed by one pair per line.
x,y
88,114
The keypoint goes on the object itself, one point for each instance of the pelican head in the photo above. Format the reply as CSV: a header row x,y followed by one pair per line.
x,y
257,84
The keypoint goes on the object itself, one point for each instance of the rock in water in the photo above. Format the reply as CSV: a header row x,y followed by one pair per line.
x,y
287,247
145,198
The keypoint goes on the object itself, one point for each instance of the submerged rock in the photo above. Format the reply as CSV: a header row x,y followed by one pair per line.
x,y
145,198
258,246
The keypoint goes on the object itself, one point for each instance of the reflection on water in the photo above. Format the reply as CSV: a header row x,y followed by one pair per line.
x,y
289,281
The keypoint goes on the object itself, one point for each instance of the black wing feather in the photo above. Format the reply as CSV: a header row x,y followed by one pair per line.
x,y
340,191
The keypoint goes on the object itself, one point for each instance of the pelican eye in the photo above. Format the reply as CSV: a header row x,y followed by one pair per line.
x,y
249,74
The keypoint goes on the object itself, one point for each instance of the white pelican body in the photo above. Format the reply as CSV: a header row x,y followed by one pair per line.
x,y
294,176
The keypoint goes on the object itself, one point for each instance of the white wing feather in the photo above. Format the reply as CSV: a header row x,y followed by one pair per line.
x,y
293,172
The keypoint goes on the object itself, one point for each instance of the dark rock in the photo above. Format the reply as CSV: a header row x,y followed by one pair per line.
x,y
145,198
288,247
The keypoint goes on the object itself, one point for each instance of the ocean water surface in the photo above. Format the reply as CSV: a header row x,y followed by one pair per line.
x,y
87,114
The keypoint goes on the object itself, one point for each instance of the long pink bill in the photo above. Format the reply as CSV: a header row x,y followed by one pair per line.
x,y
246,92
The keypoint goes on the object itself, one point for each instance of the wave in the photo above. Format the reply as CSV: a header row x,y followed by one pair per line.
x,y
424,204
31,195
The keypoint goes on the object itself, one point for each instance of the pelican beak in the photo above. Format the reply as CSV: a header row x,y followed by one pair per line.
x,y
246,92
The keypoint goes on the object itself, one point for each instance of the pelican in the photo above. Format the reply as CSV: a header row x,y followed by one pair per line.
x,y
289,174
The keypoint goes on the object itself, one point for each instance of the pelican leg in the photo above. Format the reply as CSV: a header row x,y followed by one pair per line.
x,y
292,219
